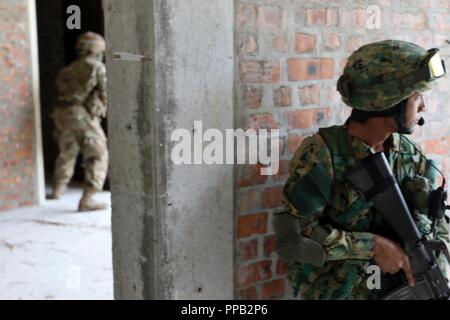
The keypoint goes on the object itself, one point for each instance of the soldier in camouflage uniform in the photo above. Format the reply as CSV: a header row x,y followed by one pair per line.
x,y
80,107
340,233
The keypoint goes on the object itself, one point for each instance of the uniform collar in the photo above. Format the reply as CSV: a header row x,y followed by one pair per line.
x,y
362,150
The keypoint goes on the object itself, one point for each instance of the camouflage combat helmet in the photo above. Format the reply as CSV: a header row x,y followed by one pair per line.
x,y
90,42
380,75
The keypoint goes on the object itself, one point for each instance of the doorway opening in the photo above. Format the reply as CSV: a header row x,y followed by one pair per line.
x,y
53,251
56,50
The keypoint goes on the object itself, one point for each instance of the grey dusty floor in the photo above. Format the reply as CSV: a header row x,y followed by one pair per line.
x,y
54,252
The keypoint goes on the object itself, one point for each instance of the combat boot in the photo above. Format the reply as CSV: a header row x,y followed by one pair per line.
x,y
58,191
87,203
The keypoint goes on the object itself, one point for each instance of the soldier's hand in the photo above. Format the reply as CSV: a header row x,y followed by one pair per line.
x,y
391,258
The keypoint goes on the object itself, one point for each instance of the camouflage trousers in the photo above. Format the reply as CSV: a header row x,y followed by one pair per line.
x,y
77,131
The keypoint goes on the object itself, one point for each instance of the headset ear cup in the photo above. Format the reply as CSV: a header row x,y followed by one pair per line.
x,y
343,86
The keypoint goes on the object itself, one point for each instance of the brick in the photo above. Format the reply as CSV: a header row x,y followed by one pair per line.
x,y
249,201
356,18
272,197
251,225
269,245
321,17
283,96
250,175
26,203
332,41
273,289
310,94
280,44
386,3
354,43
438,4
439,21
304,42
283,172
265,269
248,250
252,273
260,71
249,44
282,268
270,17
6,207
294,142
303,119
23,154
410,21
246,16
262,121
247,275
254,97
438,146
248,294
310,69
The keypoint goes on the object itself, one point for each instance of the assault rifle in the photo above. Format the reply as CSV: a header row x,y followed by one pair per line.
x,y
373,177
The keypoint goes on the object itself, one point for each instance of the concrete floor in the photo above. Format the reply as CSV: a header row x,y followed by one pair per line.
x,y
54,252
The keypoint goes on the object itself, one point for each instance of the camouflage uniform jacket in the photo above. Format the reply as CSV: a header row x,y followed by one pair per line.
x,y
83,83
333,214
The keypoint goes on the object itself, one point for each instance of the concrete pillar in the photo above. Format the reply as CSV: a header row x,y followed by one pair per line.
x,y
172,225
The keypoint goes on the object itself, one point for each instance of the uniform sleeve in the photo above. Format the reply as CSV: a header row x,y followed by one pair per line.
x,y
307,193
101,82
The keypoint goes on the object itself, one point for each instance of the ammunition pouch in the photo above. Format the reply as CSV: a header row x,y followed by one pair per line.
x,y
417,191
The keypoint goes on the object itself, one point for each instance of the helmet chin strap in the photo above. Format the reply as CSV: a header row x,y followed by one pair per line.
x,y
400,119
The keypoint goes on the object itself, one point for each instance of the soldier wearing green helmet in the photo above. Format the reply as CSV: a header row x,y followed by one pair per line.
x,y
329,234
81,105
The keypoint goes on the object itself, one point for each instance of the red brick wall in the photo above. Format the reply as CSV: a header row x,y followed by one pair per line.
x,y
291,54
17,165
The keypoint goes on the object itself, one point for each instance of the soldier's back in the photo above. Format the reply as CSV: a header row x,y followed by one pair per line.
x,y
76,81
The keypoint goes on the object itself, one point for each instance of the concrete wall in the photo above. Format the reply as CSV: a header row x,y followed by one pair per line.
x,y
172,225
290,54
21,178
